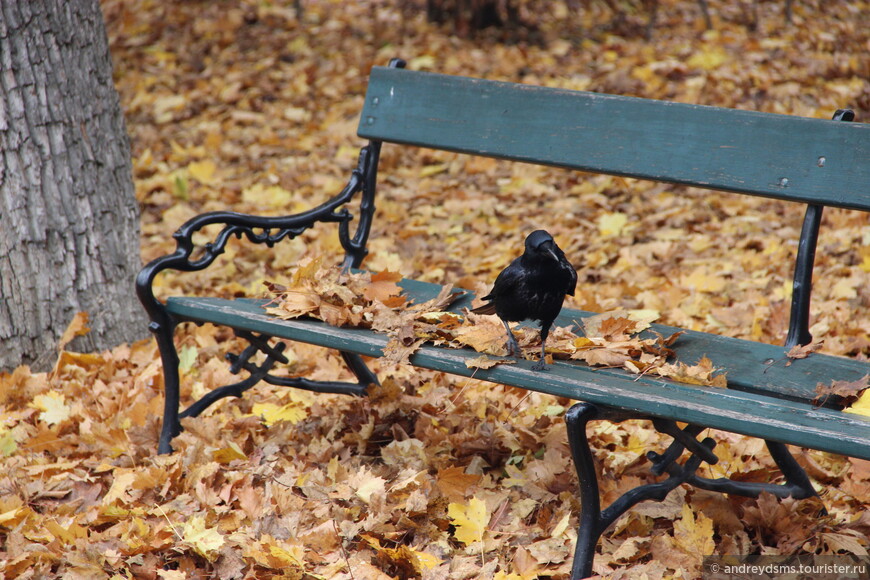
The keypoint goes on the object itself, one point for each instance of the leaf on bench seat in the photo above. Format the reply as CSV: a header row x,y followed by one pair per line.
x,y
845,393
375,301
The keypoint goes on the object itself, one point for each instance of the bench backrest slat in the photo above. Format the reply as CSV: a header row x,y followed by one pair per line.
x,y
780,156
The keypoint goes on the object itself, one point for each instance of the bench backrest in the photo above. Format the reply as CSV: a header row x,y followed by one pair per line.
x,y
780,156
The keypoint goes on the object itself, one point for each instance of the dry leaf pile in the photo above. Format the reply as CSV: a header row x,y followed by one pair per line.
x,y
242,105
376,301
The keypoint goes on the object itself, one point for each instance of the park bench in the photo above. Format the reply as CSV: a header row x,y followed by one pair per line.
x,y
814,162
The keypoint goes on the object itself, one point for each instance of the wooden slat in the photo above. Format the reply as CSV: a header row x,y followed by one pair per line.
x,y
750,366
725,149
746,413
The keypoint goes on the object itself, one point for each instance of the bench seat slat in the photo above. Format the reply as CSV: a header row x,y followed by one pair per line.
x,y
750,414
751,366
725,149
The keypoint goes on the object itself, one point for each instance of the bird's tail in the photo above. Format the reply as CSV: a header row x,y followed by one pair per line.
x,y
488,308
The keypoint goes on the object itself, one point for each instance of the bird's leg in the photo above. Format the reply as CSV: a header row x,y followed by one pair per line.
x,y
513,346
545,331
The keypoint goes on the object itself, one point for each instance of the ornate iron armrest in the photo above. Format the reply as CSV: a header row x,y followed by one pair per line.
x,y
267,230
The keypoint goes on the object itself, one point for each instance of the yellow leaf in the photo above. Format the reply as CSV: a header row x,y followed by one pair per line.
x,y
54,409
11,518
122,482
694,532
205,541
861,406
561,526
8,445
612,224
427,561
702,280
66,535
203,171
297,114
272,196
469,520
186,357
845,288
421,62
228,454
430,170
370,486
286,557
271,413
710,58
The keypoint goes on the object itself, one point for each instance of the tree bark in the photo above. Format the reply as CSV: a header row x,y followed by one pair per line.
x,y
69,221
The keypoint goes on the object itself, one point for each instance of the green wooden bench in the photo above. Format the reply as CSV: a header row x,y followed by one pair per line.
x,y
814,162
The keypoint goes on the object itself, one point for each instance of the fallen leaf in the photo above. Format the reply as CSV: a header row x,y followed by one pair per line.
x,y
484,362
470,520
78,326
799,351
53,406
204,540
845,393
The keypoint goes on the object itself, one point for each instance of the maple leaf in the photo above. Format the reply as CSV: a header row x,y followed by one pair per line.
x,y
78,326
845,392
122,482
484,362
383,288
455,483
227,454
470,520
404,557
861,406
694,532
203,171
53,406
205,541
612,224
703,373
292,412
799,351
483,335
399,349
618,324
8,445
368,485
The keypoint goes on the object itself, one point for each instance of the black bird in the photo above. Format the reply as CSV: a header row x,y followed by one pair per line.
x,y
532,287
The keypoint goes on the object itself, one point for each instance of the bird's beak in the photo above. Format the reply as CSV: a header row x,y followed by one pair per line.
x,y
548,246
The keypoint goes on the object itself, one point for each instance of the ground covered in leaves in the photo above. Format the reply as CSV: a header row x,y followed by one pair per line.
x,y
244,105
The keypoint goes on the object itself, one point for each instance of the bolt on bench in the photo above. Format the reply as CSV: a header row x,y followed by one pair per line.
x,y
810,161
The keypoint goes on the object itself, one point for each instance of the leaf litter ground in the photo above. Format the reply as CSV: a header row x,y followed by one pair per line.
x,y
239,105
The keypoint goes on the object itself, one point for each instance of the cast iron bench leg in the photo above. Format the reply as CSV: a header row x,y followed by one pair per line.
x,y
171,427
593,521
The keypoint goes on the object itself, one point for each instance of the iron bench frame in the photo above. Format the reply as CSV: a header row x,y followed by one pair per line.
x,y
600,403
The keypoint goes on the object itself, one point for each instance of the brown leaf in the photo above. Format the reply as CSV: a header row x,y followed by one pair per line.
x,y
844,392
799,351
383,287
484,362
455,484
78,326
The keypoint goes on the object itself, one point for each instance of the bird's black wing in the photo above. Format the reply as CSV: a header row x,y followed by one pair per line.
x,y
505,283
572,282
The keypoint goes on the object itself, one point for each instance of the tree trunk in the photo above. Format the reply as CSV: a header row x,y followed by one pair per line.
x,y
69,221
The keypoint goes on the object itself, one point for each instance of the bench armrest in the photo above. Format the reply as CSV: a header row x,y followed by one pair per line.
x,y
265,230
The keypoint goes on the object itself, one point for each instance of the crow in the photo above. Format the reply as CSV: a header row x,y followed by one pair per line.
x,y
532,287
